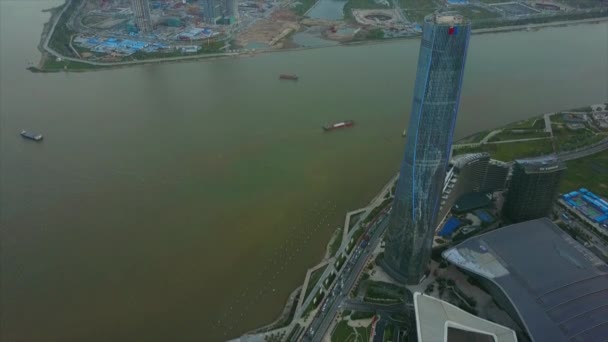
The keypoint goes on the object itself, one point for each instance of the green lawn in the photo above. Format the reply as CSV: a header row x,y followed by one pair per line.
x,y
340,262
361,315
388,333
354,219
510,151
530,123
345,333
313,304
353,242
363,279
416,10
314,278
596,13
474,138
61,35
327,281
476,13
336,242
52,64
509,135
382,292
374,212
569,140
557,118
590,172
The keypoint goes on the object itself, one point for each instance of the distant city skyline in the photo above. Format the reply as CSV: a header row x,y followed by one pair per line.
x,y
437,91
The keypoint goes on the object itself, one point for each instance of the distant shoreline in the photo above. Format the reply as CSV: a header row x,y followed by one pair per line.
x,y
84,65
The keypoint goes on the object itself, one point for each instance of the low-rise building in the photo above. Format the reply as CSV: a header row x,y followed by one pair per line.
x,y
550,284
437,320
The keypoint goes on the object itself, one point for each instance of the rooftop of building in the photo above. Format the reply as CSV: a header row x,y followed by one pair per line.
x,y
548,163
470,201
558,287
448,18
437,320
499,163
588,204
462,160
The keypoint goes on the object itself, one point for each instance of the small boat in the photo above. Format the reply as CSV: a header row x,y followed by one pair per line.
x,y
404,133
291,77
337,125
31,136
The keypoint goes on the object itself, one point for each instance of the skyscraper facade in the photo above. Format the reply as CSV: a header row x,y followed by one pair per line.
x,y
211,11
437,89
533,188
141,11
232,10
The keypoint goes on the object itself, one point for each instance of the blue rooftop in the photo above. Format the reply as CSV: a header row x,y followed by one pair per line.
x,y
450,226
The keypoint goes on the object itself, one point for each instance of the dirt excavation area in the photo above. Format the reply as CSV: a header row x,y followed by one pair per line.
x,y
270,30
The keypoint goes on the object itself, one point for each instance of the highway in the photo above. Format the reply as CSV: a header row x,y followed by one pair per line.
x,y
337,297
584,151
344,284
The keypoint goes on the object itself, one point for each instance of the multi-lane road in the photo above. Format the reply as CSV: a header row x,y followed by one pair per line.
x,y
584,151
335,298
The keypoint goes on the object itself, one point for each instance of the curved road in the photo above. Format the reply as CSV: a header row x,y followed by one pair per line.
x,y
335,299
585,151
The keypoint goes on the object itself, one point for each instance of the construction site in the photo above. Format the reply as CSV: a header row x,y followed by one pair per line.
x,y
131,30
114,30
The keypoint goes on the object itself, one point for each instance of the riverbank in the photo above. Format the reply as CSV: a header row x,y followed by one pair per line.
x,y
321,276
493,137
47,29
54,61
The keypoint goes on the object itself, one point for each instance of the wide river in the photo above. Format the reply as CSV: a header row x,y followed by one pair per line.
x,y
185,201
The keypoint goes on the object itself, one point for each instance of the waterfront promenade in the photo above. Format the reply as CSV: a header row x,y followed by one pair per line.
x,y
317,327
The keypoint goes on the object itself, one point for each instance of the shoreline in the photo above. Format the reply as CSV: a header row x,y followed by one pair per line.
x,y
303,301
46,30
366,211
57,12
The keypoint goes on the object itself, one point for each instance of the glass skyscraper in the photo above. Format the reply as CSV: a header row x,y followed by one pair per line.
x,y
443,51
533,188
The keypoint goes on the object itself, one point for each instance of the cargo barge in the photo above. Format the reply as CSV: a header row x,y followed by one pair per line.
x,y
31,136
338,125
288,77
